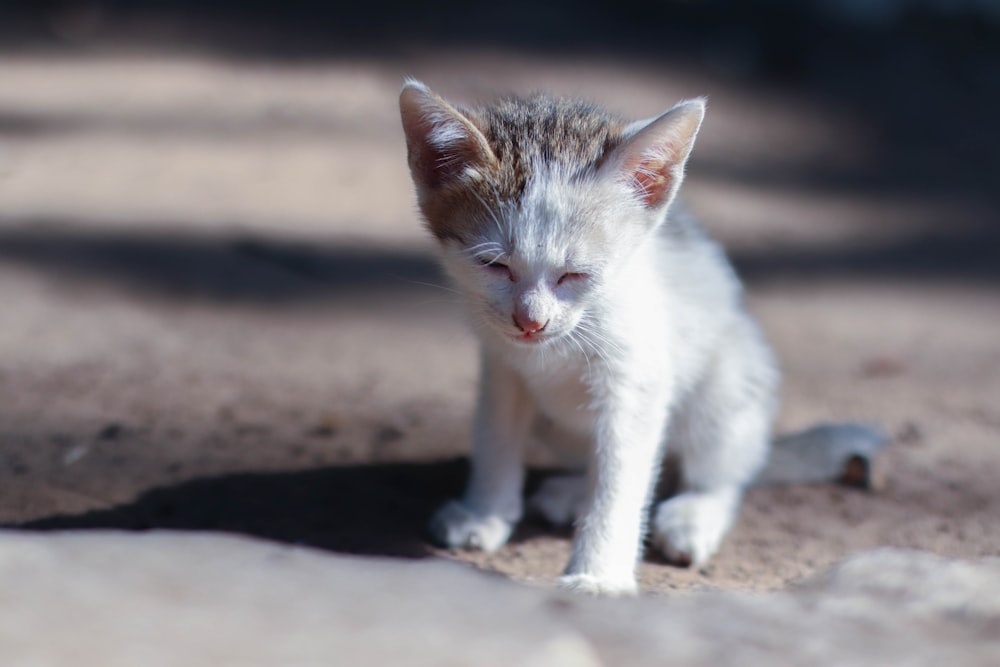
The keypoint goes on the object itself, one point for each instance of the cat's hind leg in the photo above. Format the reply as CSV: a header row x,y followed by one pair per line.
x,y
721,436
560,499
690,527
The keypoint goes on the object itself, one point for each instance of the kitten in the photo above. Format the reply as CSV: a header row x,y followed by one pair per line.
x,y
610,325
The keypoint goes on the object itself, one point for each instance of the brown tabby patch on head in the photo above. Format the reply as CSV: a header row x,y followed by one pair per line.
x,y
523,134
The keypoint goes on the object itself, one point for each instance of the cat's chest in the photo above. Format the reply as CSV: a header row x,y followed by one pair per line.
x,y
560,391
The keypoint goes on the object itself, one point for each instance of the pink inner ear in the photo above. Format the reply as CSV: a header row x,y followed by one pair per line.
x,y
652,180
653,159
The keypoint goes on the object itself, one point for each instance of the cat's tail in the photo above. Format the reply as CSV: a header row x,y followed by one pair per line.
x,y
847,453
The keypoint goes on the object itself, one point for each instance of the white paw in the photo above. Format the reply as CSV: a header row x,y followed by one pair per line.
x,y
593,585
560,499
689,528
457,527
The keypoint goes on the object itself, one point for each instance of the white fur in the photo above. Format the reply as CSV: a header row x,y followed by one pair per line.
x,y
651,350
561,499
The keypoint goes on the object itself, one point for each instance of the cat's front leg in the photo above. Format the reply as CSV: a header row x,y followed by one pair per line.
x,y
627,445
486,514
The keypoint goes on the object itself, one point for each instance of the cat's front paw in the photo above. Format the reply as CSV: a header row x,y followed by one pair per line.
x,y
455,526
593,585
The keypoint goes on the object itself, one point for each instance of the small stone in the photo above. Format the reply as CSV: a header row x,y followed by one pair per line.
x,y
111,431
882,367
322,431
74,454
250,429
387,434
910,434
328,427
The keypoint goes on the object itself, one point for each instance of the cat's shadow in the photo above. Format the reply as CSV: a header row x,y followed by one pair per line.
x,y
365,509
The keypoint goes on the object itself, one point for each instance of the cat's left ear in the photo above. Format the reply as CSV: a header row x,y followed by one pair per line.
x,y
652,158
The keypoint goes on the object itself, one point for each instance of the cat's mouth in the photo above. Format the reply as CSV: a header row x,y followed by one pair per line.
x,y
533,338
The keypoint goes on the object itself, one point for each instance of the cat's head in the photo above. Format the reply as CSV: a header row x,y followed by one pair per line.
x,y
538,202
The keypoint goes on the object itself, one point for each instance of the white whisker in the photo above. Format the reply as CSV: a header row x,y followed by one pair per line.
x,y
571,336
443,288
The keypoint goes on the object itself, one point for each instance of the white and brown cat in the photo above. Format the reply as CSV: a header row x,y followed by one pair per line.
x,y
609,324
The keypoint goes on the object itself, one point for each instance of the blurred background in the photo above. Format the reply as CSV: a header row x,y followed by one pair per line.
x,y
218,309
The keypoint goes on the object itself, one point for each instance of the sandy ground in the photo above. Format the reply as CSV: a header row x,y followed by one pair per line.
x,y
218,310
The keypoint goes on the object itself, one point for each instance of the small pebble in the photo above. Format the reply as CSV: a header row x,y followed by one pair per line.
x,y
110,432
882,367
74,454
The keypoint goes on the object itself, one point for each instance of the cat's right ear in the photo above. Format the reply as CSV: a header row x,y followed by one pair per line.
x,y
443,146
652,158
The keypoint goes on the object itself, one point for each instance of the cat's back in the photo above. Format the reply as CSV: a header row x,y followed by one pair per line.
x,y
705,295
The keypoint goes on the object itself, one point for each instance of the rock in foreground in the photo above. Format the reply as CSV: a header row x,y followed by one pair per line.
x,y
113,599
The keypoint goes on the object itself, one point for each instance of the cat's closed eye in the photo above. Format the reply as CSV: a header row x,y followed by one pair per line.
x,y
571,276
497,267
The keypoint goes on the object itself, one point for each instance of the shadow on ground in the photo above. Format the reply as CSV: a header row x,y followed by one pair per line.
x,y
366,509
223,269
376,509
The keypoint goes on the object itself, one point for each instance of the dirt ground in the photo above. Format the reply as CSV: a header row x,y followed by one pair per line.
x,y
218,310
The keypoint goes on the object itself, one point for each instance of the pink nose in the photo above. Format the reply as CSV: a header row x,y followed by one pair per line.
x,y
528,324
